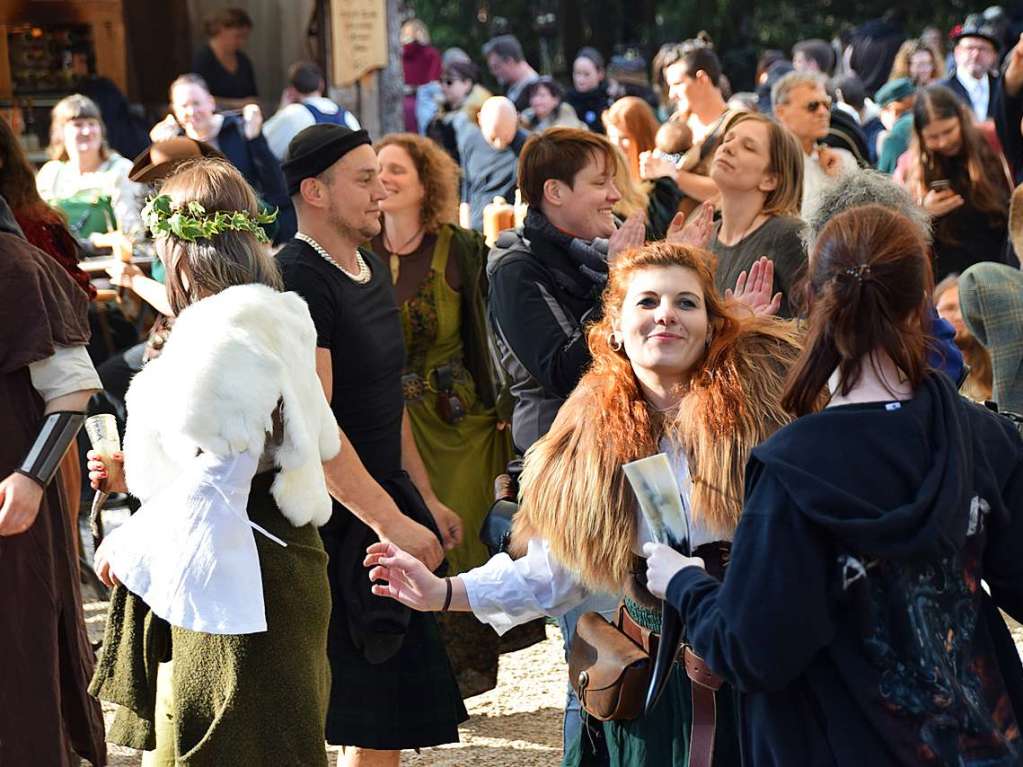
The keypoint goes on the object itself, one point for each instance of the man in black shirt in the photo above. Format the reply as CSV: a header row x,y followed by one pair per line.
x,y
392,684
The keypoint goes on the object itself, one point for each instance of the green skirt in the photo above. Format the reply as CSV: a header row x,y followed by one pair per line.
x,y
252,699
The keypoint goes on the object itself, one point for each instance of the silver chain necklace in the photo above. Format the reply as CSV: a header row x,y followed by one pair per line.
x,y
361,278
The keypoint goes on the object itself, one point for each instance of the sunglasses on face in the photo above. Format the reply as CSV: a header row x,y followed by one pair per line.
x,y
813,106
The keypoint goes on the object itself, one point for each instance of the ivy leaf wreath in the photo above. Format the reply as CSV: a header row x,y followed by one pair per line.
x,y
191,222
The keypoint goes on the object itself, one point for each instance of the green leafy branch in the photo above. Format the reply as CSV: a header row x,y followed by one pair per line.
x,y
191,222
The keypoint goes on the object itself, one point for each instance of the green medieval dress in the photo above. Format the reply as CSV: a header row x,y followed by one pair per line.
x,y
444,327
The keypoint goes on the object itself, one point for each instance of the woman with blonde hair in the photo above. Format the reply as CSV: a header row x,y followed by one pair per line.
x,y
85,178
215,646
631,126
676,369
438,270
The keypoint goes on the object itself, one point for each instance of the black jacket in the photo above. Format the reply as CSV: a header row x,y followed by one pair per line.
x,y
590,105
539,304
257,164
994,86
1008,115
852,617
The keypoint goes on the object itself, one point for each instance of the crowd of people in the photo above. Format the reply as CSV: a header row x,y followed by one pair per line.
x,y
808,298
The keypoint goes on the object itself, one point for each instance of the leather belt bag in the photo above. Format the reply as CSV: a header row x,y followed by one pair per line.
x,y
609,665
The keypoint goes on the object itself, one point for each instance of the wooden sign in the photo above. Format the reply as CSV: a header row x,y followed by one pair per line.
x,y
358,38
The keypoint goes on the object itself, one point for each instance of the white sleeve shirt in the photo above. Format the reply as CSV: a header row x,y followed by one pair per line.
x,y
190,552
286,123
66,371
505,593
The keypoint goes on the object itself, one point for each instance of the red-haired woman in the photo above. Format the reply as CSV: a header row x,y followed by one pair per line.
x,y
853,616
631,126
674,368
43,226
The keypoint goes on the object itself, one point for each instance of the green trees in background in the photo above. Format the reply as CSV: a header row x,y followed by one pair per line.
x,y
552,30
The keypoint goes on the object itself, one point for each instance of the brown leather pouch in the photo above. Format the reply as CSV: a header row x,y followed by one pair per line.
x,y
609,666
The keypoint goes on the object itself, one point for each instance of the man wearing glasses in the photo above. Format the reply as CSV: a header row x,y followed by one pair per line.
x,y
803,106
976,57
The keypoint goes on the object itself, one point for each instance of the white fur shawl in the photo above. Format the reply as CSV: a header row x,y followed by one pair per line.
x,y
228,361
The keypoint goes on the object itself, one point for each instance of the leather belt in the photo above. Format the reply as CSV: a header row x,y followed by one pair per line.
x,y
414,386
704,684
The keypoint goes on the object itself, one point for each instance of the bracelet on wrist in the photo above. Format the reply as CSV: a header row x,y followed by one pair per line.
x,y
447,596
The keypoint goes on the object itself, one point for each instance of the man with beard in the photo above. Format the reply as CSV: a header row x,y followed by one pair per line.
x,y
392,687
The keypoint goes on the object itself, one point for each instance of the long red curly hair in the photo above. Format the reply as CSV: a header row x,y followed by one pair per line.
x,y
574,492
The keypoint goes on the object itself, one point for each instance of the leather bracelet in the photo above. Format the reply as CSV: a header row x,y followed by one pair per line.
x,y
56,433
447,597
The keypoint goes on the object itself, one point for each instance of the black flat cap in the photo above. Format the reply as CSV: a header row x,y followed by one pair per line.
x,y
316,148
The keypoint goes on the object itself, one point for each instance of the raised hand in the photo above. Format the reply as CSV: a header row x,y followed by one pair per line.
x,y
631,234
653,166
754,290
1014,69
253,118
697,232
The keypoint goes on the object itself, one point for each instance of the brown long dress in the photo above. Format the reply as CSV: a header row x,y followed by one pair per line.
x,y
45,657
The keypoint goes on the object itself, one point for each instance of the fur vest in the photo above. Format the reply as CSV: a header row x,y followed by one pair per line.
x,y
574,492
231,359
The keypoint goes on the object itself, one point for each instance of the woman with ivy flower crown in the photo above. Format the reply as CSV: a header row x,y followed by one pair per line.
x,y
215,647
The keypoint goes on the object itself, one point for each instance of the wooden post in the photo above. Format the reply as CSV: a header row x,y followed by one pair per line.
x,y
380,89
392,79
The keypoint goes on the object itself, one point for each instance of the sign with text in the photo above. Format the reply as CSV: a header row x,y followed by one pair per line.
x,y
358,38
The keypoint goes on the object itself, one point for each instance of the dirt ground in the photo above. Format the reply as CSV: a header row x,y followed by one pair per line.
x,y
517,724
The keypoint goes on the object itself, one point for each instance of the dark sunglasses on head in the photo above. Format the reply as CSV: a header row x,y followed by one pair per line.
x,y
813,106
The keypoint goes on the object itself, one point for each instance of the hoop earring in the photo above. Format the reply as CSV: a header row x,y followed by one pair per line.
x,y
613,343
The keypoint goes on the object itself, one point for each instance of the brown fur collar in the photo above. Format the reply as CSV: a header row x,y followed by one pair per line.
x,y
574,493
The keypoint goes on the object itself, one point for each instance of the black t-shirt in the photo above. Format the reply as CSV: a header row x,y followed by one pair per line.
x,y
223,84
361,327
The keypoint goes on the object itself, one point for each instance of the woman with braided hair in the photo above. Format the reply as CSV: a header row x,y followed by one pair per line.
x,y
676,369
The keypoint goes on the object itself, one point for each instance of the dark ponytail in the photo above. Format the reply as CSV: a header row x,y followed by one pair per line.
x,y
868,291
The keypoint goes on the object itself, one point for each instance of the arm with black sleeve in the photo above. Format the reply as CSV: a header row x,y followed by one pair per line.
x,y
542,333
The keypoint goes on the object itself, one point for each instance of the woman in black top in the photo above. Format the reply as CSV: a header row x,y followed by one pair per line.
x,y
852,616
222,63
960,181
589,97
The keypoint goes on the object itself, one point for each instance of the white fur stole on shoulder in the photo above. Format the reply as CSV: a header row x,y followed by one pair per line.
x,y
228,362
